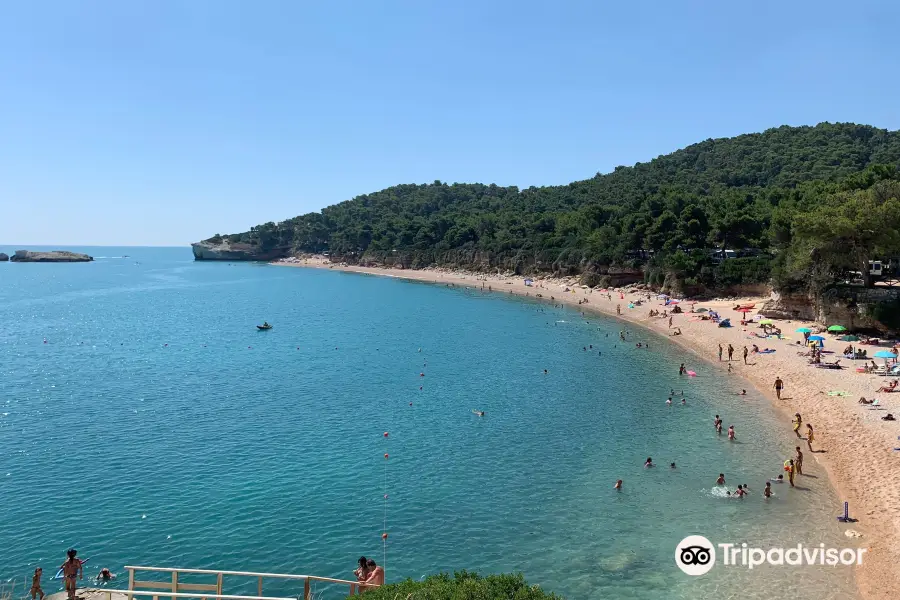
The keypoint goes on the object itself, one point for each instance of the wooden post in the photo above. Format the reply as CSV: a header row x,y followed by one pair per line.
x,y
131,580
174,582
219,585
259,587
306,595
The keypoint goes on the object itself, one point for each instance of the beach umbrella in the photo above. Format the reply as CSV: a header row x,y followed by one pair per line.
x,y
765,322
837,328
744,309
701,309
885,354
803,330
849,338
816,338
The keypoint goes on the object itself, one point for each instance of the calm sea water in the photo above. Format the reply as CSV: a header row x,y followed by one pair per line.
x,y
157,426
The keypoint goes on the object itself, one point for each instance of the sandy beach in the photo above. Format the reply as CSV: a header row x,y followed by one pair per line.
x,y
852,444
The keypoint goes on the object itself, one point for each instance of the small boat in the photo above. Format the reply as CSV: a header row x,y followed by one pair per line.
x,y
264,327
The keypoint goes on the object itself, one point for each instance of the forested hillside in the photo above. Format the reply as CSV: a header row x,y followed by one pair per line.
x,y
756,193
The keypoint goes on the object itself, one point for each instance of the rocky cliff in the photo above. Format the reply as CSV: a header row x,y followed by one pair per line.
x,y
54,256
854,308
4,257
227,251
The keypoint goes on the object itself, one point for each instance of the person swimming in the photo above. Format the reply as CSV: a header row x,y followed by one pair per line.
x,y
743,393
668,401
721,479
731,432
618,485
767,491
105,575
480,413
683,402
779,479
672,466
649,463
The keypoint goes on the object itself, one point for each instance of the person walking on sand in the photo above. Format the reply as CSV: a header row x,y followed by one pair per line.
x,y
791,468
720,352
797,421
809,437
72,570
798,462
730,352
778,385
670,322
746,352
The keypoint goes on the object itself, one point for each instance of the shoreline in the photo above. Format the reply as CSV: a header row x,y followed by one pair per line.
x,y
857,447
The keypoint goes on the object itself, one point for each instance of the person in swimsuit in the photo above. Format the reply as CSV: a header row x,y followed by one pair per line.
x,y
718,424
778,385
791,472
745,354
668,401
683,402
721,479
779,479
104,575
797,422
376,574
672,466
767,491
618,485
798,462
682,370
809,437
72,571
720,352
362,570
739,492
730,352
649,463
36,584
731,432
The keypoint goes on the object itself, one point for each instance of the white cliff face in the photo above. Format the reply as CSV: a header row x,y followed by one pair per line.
x,y
227,251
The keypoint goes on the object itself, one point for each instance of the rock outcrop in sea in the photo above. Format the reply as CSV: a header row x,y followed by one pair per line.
x,y
225,250
4,257
53,256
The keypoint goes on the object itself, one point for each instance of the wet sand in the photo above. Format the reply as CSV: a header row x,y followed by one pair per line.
x,y
852,444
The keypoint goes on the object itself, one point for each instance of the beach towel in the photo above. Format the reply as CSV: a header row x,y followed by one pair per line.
x,y
770,351
838,393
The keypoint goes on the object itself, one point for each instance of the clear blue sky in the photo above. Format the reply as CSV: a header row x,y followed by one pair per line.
x,y
160,123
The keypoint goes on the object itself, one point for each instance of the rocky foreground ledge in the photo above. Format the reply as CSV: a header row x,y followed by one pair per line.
x,y
234,251
54,256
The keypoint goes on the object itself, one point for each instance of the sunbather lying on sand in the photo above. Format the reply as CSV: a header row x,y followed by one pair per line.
x,y
889,388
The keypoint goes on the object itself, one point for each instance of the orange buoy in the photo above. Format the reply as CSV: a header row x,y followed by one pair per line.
x,y
384,536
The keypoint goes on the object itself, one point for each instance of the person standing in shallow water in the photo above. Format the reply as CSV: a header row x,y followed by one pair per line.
x,y
682,370
746,352
798,462
809,437
720,352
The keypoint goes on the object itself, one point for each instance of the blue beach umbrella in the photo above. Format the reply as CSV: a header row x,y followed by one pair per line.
x,y
816,338
885,354
804,330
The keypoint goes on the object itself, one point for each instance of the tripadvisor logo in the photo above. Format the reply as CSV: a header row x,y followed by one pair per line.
x,y
696,555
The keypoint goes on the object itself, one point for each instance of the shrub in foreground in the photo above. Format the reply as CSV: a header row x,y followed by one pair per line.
x,y
461,586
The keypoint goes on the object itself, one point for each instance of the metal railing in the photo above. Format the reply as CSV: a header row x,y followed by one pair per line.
x,y
173,588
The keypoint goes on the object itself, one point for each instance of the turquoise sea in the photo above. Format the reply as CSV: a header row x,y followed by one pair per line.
x,y
157,426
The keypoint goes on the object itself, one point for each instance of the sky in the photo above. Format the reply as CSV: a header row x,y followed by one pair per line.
x,y
150,122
